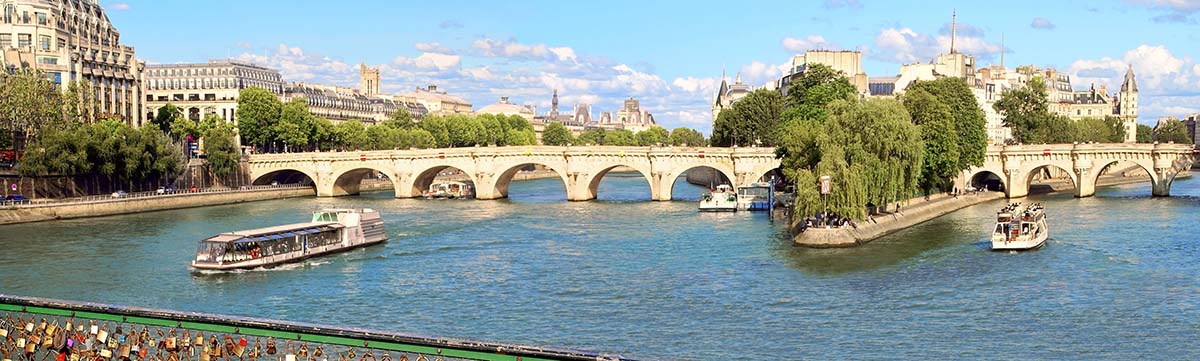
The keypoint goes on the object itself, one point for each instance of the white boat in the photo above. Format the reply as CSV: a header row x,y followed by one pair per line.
x,y
329,231
722,199
755,197
1020,227
450,189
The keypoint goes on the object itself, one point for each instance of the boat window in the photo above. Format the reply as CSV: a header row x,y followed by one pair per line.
x,y
999,229
1024,228
324,217
210,252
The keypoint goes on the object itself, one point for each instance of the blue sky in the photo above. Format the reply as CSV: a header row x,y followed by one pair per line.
x,y
667,54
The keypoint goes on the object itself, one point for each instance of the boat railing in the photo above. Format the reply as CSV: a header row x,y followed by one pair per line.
x,y
242,337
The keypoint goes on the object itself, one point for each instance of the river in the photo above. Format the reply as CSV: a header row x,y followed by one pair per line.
x,y
1118,278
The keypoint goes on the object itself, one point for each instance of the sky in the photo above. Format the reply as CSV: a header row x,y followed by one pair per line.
x,y
667,54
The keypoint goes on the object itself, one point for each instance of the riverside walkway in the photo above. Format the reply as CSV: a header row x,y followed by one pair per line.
x,y
38,329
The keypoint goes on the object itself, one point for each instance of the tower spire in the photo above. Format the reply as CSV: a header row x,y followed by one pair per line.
x,y
722,72
739,78
1002,50
953,28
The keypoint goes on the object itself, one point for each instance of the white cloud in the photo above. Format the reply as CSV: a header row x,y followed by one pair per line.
x,y
1166,83
1178,11
515,50
812,42
296,64
119,6
1042,23
905,45
433,47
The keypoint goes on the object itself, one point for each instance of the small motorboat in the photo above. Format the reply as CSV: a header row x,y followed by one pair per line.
x,y
722,199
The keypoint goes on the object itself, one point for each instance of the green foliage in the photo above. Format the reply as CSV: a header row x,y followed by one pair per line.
x,y
968,120
752,120
871,149
520,137
941,159
219,149
1100,130
684,136
437,126
653,136
594,136
1145,134
621,138
1025,110
351,135
400,119
1171,130
557,134
166,116
79,103
29,104
108,150
323,136
294,126
810,92
258,111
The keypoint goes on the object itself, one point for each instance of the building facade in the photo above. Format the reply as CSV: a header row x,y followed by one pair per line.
x,y
201,89
580,115
339,104
846,61
435,102
369,80
728,94
631,116
74,41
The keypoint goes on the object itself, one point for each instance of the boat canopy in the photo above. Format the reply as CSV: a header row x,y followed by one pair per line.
x,y
241,237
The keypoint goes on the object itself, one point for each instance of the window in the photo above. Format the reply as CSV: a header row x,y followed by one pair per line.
x,y
41,18
48,61
24,40
5,41
44,42
62,43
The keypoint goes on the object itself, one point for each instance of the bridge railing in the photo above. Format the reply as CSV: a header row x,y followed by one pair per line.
x,y
38,329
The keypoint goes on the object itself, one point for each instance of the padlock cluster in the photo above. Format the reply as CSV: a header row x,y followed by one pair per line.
x,y
70,339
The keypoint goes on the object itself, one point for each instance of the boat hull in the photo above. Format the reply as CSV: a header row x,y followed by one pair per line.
x,y
280,260
1021,245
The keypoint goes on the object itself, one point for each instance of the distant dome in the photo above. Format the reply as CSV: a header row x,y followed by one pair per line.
x,y
503,107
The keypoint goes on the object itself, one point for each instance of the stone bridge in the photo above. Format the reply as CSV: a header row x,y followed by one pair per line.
x,y
492,168
1015,165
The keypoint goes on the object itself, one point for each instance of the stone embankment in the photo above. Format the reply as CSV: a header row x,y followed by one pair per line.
x,y
36,212
920,210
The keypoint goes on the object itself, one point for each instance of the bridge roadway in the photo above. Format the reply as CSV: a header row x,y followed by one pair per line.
x,y
1016,165
493,168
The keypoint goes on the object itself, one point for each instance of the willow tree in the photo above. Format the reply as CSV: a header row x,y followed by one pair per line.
x,y
871,150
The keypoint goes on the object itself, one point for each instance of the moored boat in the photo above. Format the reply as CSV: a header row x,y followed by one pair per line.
x,y
329,231
756,197
450,189
722,199
1020,227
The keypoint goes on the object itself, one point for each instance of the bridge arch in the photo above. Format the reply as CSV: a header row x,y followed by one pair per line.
x,y
500,183
285,176
593,183
348,181
1046,168
668,183
422,179
1094,178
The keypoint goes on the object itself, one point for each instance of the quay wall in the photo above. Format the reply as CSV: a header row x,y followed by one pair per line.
x,y
97,208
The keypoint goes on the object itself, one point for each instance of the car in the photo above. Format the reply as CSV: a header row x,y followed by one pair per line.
x,y
15,198
274,183
194,189
161,190
120,194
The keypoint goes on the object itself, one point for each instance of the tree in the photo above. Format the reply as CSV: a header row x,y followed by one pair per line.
x,y
222,154
620,137
871,149
752,120
594,136
400,119
79,102
941,159
557,134
421,139
29,103
684,136
1025,109
1100,130
1171,130
653,136
968,123
351,135
258,111
166,115
816,87
294,126
520,137
493,129
1145,134
437,127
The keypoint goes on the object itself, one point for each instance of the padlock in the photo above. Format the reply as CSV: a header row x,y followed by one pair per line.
x,y
106,353
102,336
271,346
29,327
95,329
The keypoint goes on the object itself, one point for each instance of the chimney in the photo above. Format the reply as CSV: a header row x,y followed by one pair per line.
x,y
432,88
504,100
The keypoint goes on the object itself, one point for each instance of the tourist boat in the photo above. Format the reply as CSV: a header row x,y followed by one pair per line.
x,y
329,231
756,197
450,189
1020,227
722,199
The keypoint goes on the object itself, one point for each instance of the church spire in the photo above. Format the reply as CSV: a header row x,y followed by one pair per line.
x,y
1129,85
739,78
1002,50
953,28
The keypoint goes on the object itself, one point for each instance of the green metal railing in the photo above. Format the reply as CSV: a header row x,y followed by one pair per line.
x,y
36,329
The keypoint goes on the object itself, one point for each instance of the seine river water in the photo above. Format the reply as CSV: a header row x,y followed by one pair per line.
x,y
1117,280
